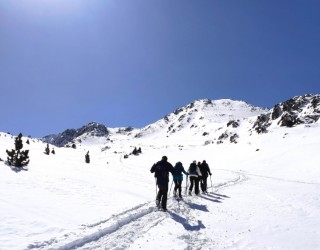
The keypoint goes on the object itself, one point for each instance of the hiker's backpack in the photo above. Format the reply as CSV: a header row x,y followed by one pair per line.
x,y
161,171
193,169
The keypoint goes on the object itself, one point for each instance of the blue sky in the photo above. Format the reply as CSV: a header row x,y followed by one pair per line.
x,y
123,63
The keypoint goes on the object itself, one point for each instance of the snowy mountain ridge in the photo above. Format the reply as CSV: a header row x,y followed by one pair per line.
x,y
208,121
199,116
69,135
202,115
59,201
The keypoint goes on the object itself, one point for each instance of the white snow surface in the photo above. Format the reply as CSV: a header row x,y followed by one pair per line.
x,y
263,194
201,116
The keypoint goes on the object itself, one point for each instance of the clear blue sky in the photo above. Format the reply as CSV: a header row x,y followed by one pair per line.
x,y
64,63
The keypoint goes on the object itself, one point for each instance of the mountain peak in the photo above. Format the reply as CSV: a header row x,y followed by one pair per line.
x,y
61,139
203,113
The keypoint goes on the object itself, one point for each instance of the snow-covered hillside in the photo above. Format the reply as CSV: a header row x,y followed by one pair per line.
x,y
201,116
264,191
203,119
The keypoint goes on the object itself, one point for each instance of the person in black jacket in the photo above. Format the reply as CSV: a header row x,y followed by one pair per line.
x,y
161,170
205,170
195,175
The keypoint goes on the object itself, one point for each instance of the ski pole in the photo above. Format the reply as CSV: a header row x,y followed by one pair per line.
x,y
211,184
170,187
186,186
156,187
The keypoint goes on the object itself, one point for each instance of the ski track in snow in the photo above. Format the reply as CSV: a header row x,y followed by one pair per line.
x,y
284,180
122,229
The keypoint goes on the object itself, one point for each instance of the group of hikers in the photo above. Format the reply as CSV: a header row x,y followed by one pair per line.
x,y
198,173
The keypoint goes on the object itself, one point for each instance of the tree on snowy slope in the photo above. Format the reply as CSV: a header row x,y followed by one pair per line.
x,y
87,157
18,157
47,150
136,151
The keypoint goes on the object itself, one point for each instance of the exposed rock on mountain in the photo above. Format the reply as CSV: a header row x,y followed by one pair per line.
x,y
201,115
206,121
61,139
298,110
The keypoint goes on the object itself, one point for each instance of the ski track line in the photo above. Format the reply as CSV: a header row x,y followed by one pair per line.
x,y
193,236
270,177
130,232
237,180
122,229
94,232
284,180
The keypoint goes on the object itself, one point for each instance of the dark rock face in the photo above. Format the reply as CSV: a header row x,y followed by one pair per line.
x,y
233,138
61,139
298,110
288,120
223,136
233,123
94,129
276,112
262,123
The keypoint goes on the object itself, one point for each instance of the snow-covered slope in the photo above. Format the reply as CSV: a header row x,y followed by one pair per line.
x,y
201,116
264,192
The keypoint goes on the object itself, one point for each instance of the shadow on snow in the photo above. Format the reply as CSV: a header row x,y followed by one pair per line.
x,y
186,224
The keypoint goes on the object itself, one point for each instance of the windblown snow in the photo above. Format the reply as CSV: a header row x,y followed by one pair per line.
x,y
263,194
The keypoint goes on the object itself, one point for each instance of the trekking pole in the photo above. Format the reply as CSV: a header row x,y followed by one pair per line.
x,y
211,184
186,186
170,188
156,187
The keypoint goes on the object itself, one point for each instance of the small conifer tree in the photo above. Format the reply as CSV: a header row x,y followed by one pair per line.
x,y
87,157
18,157
47,150
135,151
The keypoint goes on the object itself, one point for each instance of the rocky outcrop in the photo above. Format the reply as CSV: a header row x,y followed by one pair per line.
x,y
61,139
298,110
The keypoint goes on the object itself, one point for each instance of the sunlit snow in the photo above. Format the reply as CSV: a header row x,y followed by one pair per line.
x,y
264,191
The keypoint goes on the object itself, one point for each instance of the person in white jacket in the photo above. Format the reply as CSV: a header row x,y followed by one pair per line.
x,y
194,174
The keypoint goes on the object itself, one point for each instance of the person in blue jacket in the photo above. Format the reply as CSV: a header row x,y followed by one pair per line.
x,y
178,178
